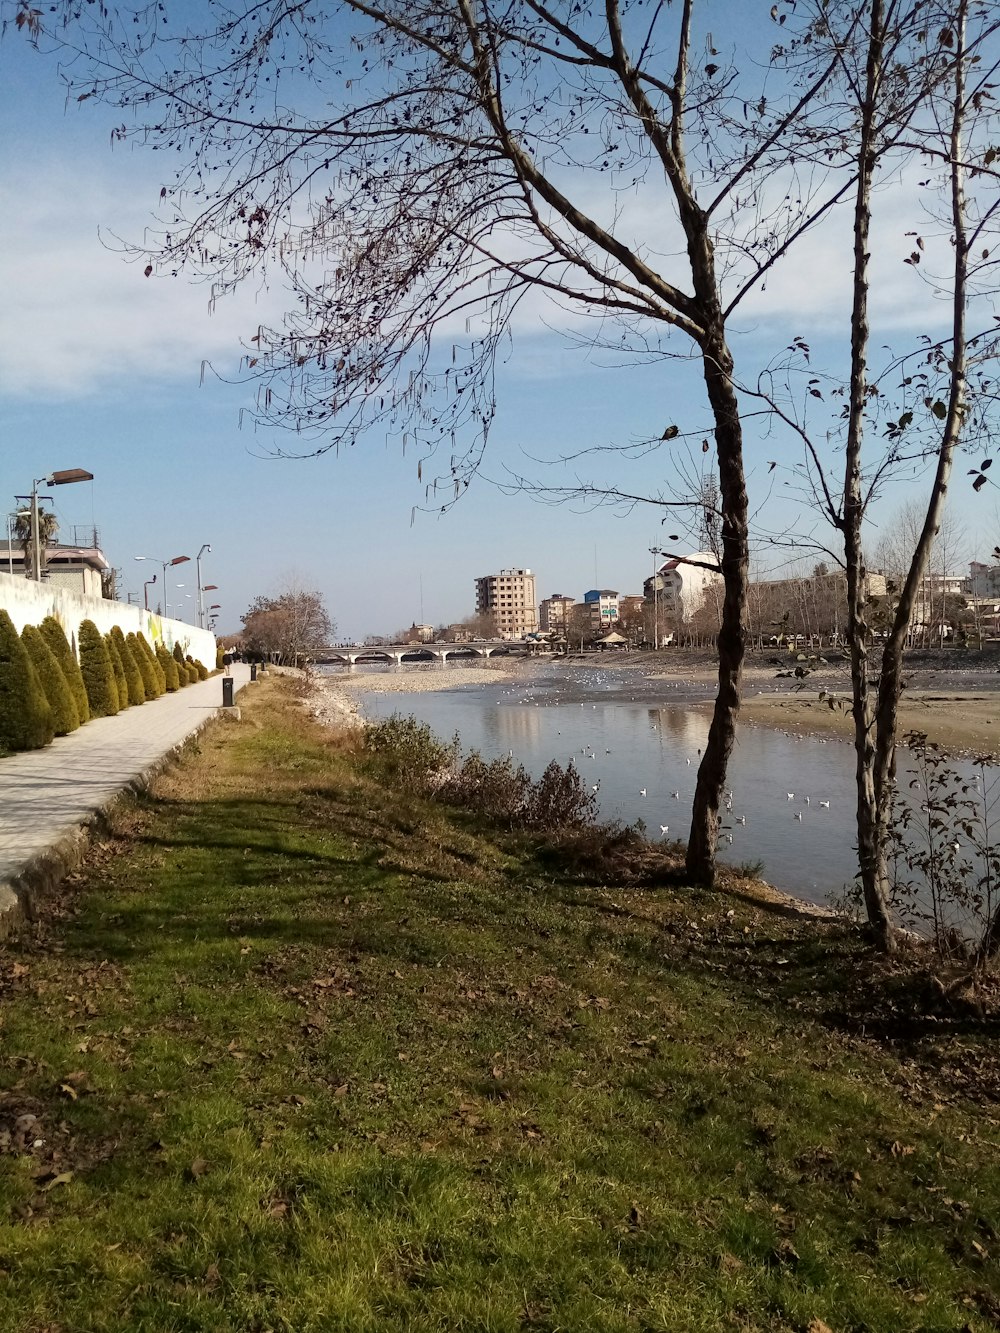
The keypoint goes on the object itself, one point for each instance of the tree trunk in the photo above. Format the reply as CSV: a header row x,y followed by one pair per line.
x,y
717,362
869,842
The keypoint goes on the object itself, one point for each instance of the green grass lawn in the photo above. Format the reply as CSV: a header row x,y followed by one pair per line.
x,y
305,1053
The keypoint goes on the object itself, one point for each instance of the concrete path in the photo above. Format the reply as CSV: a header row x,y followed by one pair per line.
x,y
49,796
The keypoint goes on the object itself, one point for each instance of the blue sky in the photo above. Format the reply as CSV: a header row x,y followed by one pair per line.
x,y
102,368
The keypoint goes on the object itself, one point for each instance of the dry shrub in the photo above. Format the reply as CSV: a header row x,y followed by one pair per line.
x,y
499,790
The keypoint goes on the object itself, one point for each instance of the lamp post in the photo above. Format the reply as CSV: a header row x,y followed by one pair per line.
x,y
205,587
64,478
201,601
165,564
145,591
655,551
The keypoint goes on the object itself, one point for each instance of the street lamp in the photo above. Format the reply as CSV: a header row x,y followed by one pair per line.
x,y
166,564
64,478
145,590
654,551
207,587
201,601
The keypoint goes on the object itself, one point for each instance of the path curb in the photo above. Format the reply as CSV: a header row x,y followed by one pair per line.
x,y
22,894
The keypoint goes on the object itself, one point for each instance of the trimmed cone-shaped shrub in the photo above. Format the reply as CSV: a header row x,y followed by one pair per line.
x,y
145,665
25,715
178,656
199,667
121,684
98,673
220,657
65,718
55,636
191,667
133,678
169,668
154,662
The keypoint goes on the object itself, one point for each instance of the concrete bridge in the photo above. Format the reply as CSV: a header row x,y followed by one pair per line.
x,y
423,652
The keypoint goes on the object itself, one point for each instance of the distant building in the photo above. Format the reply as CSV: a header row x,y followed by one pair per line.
x,y
509,597
983,580
603,606
553,613
680,588
76,568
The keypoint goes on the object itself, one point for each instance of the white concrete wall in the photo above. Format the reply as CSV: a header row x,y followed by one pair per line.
x,y
28,603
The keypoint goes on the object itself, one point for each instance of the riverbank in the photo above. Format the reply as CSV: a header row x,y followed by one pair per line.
x,y
962,724
954,698
301,1050
333,698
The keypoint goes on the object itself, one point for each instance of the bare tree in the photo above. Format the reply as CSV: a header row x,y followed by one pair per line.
x,y
290,628
416,168
922,95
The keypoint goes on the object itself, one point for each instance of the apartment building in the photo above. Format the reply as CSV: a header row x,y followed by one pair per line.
x,y
553,613
681,588
983,580
509,597
603,606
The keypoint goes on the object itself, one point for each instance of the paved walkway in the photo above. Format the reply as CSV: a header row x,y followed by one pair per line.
x,y
48,796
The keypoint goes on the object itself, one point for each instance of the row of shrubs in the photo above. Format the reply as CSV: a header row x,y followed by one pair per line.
x,y
45,692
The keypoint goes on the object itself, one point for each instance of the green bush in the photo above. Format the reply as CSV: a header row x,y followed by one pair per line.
x,y
169,667
146,666
220,653
178,656
154,657
201,671
55,636
25,715
98,673
117,666
133,676
65,717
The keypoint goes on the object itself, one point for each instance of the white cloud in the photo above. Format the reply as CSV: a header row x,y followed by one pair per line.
x,y
76,318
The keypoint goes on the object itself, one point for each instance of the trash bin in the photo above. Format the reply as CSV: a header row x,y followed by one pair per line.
x,y
227,691
253,670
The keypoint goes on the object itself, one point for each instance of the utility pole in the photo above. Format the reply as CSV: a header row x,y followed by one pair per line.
x,y
654,552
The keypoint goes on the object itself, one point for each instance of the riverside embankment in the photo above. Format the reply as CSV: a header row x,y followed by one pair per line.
x,y
300,1049
636,726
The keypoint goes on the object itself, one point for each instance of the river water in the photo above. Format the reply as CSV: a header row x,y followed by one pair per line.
x,y
638,740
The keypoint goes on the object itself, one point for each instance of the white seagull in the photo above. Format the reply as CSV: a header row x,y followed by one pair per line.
x,y
664,830
642,791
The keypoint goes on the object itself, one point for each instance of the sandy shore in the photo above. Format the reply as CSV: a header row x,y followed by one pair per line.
x,y
962,723
334,699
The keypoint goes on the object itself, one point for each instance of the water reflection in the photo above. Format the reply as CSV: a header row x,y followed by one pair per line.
x,y
791,799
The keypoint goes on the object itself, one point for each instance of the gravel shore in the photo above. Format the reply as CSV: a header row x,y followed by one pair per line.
x,y
334,702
